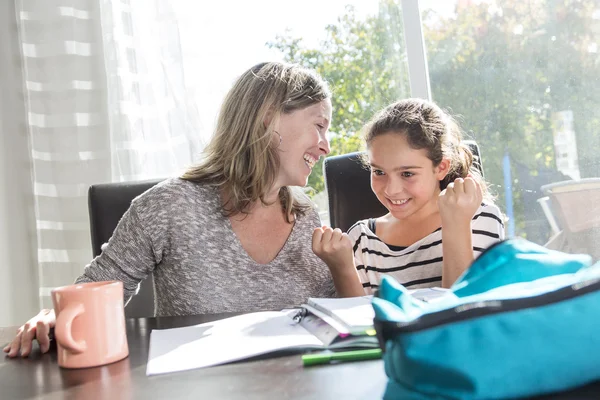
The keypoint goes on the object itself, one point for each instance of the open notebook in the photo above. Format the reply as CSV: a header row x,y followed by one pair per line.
x,y
320,324
242,337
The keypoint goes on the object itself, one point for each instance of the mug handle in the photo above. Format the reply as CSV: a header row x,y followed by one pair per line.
x,y
62,329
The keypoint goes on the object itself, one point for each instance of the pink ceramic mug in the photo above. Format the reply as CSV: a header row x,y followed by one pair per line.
x,y
90,324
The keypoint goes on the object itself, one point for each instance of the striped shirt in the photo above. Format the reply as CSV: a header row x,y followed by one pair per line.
x,y
420,264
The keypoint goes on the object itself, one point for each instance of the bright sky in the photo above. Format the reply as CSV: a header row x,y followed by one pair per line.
x,y
221,39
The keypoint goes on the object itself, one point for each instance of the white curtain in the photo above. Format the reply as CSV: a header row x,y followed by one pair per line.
x,y
106,101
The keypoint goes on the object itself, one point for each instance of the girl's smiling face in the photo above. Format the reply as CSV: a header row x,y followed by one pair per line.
x,y
404,179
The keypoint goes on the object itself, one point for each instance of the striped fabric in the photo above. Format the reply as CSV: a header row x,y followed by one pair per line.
x,y
418,265
106,102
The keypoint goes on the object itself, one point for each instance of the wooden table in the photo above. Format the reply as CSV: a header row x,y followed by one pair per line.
x,y
283,377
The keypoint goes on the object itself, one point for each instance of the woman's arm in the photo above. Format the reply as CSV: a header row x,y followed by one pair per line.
x,y
128,256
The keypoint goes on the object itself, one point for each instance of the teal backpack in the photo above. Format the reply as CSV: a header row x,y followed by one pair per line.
x,y
521,321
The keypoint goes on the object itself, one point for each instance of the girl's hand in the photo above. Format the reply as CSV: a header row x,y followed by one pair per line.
x,y
459,202
334,247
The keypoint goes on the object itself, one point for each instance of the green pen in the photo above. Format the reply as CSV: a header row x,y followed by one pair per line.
x,y
355,355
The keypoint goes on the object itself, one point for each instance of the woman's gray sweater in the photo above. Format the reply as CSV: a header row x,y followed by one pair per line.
x,y
176,231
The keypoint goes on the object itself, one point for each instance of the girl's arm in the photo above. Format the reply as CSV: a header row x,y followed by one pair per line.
x,y
335,249
458,204
457,250
346,282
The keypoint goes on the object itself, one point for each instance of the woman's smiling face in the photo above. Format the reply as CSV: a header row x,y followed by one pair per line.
x,y
303,141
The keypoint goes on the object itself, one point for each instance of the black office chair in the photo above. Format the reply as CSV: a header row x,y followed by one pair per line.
x,y
349,188
107,203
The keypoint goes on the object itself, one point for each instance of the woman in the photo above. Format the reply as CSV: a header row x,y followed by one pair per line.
x,y
231,234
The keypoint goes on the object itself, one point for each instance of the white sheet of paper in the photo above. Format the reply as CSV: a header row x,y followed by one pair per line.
x,y
358,312
353,311
223,341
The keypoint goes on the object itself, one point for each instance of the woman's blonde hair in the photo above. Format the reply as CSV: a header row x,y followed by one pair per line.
x,y
242,158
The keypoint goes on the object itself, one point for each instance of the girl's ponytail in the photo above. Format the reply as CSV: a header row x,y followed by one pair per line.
x,y
461,164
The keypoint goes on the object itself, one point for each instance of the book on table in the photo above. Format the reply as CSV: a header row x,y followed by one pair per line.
x,y
320,324
249,335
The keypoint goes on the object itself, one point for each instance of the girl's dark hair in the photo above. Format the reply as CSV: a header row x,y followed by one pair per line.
x,y
426,126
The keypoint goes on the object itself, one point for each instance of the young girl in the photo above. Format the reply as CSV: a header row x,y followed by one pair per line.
x,y
421,173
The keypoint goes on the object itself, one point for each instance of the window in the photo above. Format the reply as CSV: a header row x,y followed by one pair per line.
x,y
356,45
521,74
